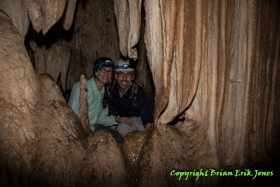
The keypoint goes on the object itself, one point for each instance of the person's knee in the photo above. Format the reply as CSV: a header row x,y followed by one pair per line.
x,y
116,135
122,129
118,138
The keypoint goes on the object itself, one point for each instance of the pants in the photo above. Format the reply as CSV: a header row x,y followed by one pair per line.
x,y
124,128
118,137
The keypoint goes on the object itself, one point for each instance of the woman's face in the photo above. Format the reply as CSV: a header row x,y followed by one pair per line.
x,y
104,74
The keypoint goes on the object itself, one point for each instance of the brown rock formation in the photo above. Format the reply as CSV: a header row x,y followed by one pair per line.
x,y
83,112
213,64
42,142
67,55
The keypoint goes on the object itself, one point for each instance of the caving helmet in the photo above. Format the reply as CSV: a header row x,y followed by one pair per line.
x,y
124,65
103,62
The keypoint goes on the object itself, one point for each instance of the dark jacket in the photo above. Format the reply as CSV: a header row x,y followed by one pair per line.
x,y
143,109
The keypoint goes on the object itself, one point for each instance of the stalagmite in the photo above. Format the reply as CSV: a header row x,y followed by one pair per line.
x,y
83,111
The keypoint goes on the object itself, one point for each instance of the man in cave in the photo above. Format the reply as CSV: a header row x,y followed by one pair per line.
x,y
129,99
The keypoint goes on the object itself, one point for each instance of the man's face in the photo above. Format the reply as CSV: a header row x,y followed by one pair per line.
x,y
124,78
105,74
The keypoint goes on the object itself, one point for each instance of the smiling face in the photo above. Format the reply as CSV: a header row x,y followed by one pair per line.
x,y
104,74
124,78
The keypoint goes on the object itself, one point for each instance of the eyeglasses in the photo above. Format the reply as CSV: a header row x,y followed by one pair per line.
x,y
102,70
121,74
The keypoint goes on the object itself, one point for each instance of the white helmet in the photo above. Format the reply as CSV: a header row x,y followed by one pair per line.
x,y
124,65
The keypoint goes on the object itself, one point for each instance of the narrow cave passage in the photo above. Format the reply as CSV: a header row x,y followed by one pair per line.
x,y
65,55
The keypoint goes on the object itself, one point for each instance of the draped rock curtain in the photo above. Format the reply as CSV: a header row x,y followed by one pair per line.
x,y
216,63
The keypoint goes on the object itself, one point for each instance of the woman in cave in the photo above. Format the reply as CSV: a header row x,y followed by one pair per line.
x,y
97,99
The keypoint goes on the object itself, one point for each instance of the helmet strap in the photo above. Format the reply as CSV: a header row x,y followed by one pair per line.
x,y
97,77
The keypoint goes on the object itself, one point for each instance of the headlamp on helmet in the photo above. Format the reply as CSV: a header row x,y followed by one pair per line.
x,y
124,65
103,62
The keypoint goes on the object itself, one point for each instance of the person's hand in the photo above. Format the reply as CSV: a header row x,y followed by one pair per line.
x,y
147,126
125,120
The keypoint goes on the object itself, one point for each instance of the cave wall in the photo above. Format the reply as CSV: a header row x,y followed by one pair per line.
x,y
95,35
215,66
67,54
42,142
220,63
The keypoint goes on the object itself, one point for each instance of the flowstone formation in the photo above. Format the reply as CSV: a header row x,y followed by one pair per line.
x,y
215,66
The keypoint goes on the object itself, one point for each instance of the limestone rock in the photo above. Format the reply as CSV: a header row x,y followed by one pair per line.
x,y
83,111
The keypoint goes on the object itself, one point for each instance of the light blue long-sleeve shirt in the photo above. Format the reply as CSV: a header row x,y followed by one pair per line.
x,y
96,113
